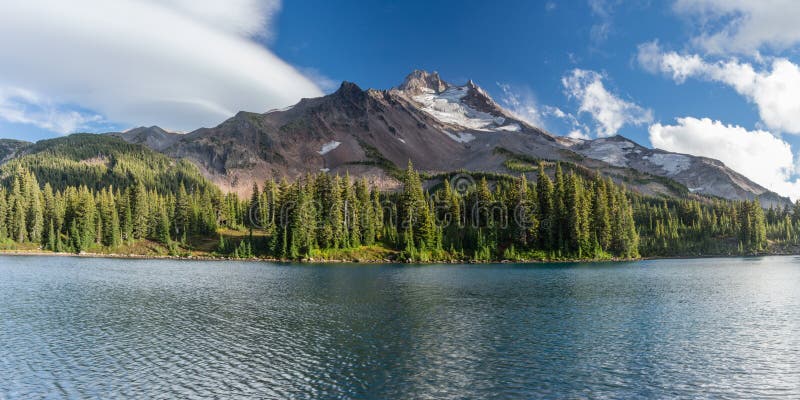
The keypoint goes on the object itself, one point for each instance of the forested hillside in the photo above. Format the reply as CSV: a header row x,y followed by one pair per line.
x,y
99,161
134,202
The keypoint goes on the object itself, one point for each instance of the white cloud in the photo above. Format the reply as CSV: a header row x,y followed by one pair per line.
x,y
758,155
602,10
651,58
775,91
608,110
522,104
245,18
743,26
25,107
180,64
577,129
577,134
555,111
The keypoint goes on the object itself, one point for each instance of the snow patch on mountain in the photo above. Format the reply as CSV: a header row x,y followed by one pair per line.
x,y
510,128
610,151
448,108
570,141
328,147
672,164
274,110
461,137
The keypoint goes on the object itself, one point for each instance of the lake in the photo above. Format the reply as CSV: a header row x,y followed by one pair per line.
x,y
105,328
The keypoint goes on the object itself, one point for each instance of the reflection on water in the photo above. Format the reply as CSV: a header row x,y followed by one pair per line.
x,y
76,327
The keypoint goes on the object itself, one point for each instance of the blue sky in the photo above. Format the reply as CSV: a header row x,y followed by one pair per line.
x,y
709,77
528,45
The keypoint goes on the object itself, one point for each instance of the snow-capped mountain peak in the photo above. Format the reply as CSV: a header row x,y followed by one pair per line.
x,y
437,125
466,107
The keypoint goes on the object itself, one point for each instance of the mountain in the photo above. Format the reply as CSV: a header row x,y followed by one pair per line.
x,y
441,127
153,137
699,174
365,132
9,148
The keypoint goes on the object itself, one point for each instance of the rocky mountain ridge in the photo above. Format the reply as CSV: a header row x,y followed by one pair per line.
x,y
440,127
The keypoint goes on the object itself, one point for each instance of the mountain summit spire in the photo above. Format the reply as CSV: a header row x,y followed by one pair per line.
x,y
418,80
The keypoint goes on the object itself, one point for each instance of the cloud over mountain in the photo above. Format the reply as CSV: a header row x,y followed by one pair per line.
x,y
609,111
759,155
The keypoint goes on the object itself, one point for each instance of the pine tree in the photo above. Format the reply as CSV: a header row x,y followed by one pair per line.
x,y
162,224
3,216
601,220
17,210
35,210
140,211
545,212
125,213
351,213
378,216
183,216
111,235
366,216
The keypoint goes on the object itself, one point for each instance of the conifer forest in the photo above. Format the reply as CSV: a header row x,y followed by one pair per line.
x,y
131,203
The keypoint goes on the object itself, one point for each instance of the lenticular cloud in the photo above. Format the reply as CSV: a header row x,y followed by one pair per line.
x,y
174,63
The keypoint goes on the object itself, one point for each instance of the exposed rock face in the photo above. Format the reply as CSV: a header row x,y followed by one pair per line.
x,y
10,147
417,81
374,129
440,127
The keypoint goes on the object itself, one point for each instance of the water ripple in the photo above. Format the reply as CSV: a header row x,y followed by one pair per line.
x,y
93,328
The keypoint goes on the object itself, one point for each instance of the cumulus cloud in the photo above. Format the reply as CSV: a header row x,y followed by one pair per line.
x,y
743,26
775,90
522,104
609,111
758,155
177,63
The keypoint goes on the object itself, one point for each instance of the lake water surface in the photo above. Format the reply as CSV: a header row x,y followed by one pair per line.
x,y
108,328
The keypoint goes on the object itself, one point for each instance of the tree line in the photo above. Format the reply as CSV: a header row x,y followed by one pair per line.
x,y
558,216
78,219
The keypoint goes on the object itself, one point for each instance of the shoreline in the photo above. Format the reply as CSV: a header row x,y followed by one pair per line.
x,y
39,253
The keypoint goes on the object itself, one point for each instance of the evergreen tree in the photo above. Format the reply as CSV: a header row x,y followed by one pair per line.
x,y
545,212
140,211
4,224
